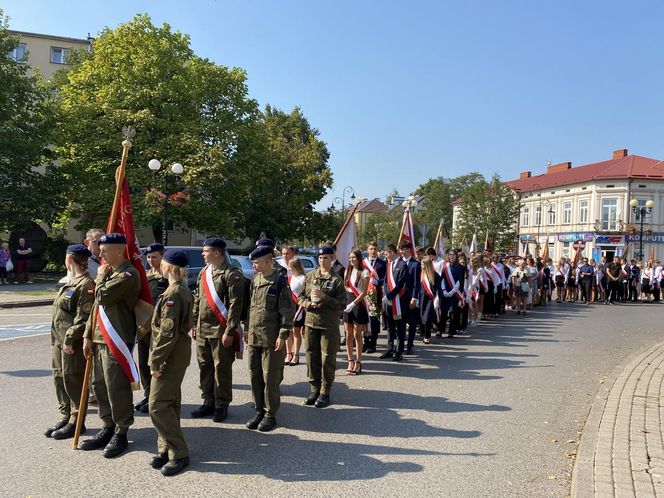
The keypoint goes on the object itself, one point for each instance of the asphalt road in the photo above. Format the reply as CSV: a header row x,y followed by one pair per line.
x,y
496,413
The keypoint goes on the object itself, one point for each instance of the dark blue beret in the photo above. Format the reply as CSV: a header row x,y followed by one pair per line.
x,y
113,238
155,246
215,242
261,251
79,249
264,242
325,250
175,257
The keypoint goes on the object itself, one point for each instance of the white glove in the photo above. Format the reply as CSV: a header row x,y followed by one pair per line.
x,y
468,297
350,307
386,301
456,288
447,294
374,281
495,289
436,303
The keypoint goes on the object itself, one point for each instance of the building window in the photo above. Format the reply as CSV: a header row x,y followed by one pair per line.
x,y
538,215
567,213
59,55
609,214
19,54
583,211
525,216
552,214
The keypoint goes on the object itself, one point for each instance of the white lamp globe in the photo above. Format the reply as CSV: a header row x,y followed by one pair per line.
x,y
650,204
154,164
177,169
633,203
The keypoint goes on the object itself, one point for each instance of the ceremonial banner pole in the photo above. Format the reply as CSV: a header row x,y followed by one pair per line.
x,y
119,176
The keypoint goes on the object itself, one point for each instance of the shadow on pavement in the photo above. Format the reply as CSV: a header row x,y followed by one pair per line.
x,y
28,373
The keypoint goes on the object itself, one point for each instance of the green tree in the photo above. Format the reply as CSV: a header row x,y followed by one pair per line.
x,y
294,176
184,109
384,227
488,208
28,187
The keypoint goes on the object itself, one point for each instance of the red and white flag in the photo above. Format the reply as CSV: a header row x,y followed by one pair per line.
x,y
346,240
473,243
407,232
438,243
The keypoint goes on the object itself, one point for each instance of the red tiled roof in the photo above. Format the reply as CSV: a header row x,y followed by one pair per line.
x,y
623,168
371,206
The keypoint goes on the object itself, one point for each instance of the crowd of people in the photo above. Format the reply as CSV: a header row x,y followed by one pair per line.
x,y
407,291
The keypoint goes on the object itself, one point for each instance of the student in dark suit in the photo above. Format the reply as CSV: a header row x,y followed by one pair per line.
x,y
452,288
412,287
377,268
395,302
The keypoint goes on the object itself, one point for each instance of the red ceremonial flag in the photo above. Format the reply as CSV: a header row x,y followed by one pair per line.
x,y
407,232
488,246
121,220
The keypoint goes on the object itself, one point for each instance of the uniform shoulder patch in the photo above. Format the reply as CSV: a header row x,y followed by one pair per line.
x,y
167,324
87,307
127,274
91,292
170,303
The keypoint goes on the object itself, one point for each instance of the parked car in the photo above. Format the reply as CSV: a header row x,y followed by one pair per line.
x,y
244,263
310,263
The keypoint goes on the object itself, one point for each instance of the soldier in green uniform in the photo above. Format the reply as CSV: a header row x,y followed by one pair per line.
x,y
270,322
116,293
71,310
169,359
323,296
217,311
153,253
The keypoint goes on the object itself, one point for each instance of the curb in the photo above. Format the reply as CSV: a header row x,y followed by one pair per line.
x,y
27,304
583,479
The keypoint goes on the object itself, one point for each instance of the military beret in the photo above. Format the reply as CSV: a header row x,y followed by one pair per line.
x,y
79,249
215,242
264,242
175,257
261,251
113,238
155,246
325,250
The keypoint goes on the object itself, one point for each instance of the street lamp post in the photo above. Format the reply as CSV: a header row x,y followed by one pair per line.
x,y
177,170
641,212
350,190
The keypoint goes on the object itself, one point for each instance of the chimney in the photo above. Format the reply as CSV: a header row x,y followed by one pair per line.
x,y
558,167
619,154
525,174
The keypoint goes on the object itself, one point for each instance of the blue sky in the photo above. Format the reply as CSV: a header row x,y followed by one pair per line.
x,y
405,91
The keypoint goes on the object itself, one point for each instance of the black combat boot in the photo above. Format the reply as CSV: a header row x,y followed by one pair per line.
x,y
175,466
66,432
311,400
116,446
158,461
267,424
203,411
255,421
99,440
49,432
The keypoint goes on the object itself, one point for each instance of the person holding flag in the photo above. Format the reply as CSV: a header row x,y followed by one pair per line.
x,y
109,342
217,330
355,316
395,303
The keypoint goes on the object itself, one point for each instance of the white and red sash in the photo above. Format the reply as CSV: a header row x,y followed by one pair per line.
x,y
447,274
499,273
391,284
295,291
356,292
214,301
426,285
117,346
370,269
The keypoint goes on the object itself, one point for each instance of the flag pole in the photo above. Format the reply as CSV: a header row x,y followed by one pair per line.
x,y
119,176
348,218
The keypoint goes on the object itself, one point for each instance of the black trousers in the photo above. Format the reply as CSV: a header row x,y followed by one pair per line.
x,y
656,292
396,332
585,288
413,318
449,305
614,288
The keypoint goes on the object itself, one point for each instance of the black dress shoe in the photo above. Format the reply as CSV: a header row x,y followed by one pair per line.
x,y
255,421
66,432
267,424
409,350
175,466
145,408
158,461
397,357
138,406
203,411
220,414
98,441
49,432
311,399
116,446
322,401
387,354
370,350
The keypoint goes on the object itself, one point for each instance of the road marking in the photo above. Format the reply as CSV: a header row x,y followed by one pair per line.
x,y
23,330
3,315
21,336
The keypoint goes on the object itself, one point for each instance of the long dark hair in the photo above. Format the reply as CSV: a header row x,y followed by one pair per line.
x,y
358,255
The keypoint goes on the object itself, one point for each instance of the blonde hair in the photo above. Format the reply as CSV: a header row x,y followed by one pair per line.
x,y
296,264
179,272
427,268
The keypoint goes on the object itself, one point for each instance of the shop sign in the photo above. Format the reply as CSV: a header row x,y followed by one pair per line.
x,y
655,238
571,237
610,240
